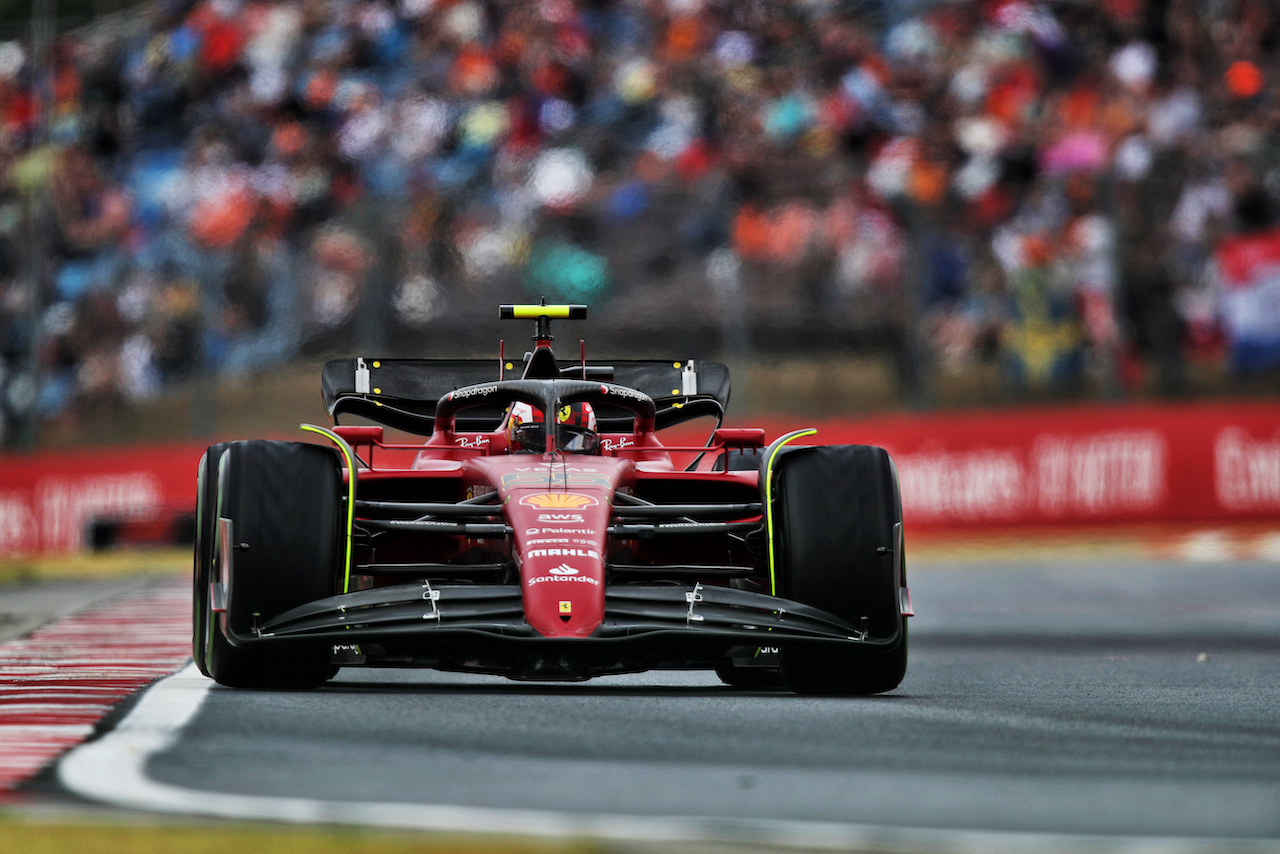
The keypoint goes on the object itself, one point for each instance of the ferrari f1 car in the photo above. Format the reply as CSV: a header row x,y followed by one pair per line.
x,y
543,531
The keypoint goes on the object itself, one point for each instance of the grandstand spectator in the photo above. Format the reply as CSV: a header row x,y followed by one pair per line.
x,y
271,175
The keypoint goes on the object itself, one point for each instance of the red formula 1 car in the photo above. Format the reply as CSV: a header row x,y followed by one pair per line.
x,y
544,532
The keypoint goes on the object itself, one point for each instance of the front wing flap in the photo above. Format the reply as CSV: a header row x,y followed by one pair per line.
x,y
421,611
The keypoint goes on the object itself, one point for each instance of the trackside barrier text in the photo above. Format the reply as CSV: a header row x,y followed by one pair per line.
x,y
1062,466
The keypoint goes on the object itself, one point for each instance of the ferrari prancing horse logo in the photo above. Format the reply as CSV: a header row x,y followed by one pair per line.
x,y
558,500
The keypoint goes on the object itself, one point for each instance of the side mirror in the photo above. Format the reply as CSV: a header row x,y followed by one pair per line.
x,y
360,435
739,437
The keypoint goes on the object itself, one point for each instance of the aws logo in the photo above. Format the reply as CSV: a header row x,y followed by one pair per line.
x,y
558,501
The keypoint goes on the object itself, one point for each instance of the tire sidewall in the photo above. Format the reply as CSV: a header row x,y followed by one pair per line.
x,y
835,543
284,501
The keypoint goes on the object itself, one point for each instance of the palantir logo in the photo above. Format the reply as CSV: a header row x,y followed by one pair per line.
x,y
563,569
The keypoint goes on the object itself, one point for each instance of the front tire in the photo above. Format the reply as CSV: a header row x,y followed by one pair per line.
x,y
837,546
202,571
284,503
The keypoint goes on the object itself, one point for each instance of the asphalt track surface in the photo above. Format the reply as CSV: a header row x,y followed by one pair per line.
x,y
1136,703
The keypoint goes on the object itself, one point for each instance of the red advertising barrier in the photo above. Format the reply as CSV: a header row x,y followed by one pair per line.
x,y
1080,465
47,500
1094,464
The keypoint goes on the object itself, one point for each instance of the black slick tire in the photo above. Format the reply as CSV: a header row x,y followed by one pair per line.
x,y
284,501
202,568
836,509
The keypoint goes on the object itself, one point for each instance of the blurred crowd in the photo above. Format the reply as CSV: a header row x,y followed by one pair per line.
x,y
216,186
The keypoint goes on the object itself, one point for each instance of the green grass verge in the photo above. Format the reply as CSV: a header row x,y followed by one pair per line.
x,y
108,564
50,836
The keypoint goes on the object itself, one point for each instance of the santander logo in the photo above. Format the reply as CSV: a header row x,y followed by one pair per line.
x,y
563,569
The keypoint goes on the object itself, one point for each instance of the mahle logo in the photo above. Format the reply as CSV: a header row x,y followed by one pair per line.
x,y
558,501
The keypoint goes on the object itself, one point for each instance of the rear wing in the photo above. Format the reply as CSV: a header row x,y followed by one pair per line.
x,y
402,393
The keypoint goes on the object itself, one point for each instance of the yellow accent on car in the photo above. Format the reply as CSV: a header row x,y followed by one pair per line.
x,y
349,456
768,498
523,311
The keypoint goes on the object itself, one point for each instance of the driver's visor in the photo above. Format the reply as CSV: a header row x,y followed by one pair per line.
x,y
532,438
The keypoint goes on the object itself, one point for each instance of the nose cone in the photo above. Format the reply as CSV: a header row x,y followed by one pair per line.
x,y
560,545
560,512
563,590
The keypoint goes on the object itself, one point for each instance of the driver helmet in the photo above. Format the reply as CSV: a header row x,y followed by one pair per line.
x,y
575,425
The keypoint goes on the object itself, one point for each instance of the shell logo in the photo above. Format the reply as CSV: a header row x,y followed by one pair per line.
x,y
558,500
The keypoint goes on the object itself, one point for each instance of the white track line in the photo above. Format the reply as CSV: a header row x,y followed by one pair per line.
x,y
112,770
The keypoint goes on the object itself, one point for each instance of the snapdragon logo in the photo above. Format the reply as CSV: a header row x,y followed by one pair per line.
x,y
463,393
623,391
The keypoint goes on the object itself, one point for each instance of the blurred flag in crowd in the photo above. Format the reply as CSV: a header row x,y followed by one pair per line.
x,y
1248,268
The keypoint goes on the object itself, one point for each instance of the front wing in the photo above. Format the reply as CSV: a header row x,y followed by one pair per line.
x,y
419,619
